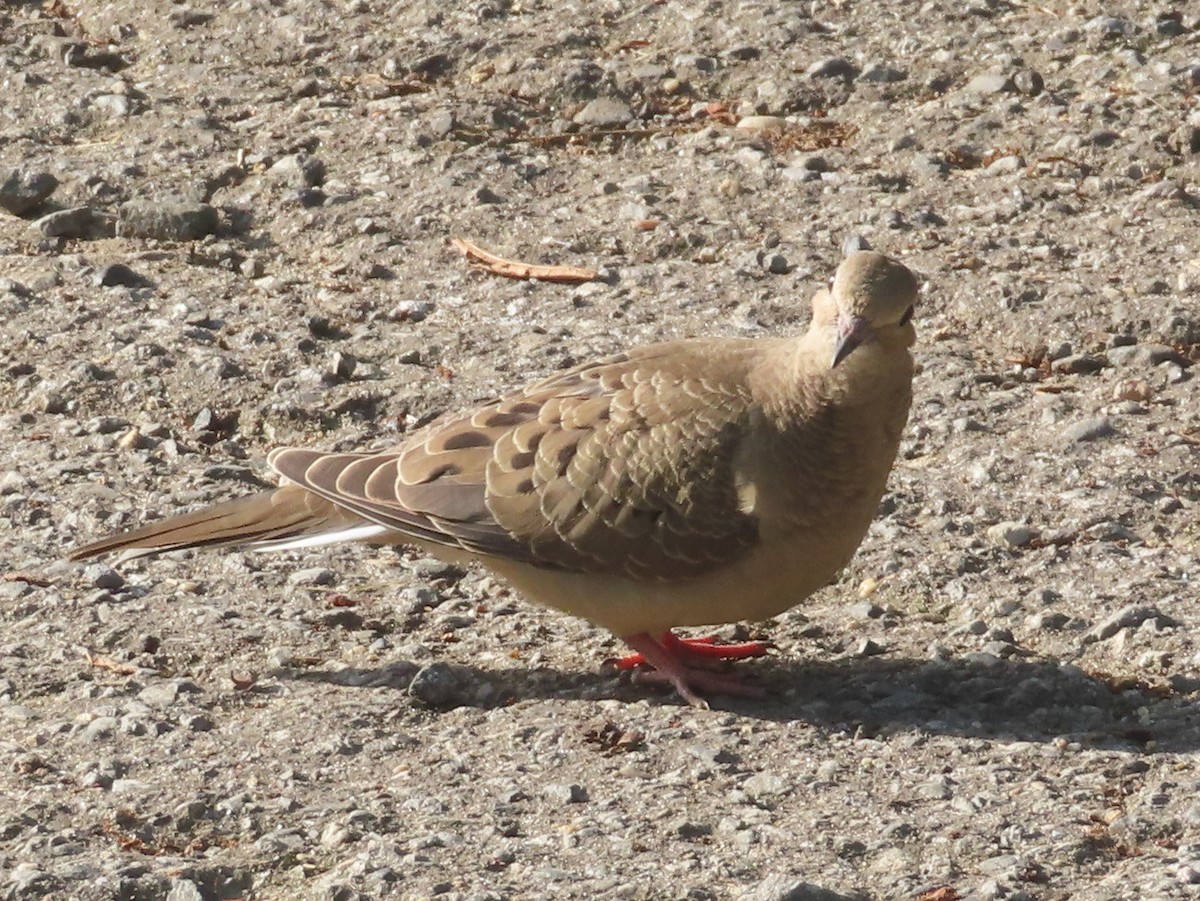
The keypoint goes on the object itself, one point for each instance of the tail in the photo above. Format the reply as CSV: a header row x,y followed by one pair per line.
x,y
288,517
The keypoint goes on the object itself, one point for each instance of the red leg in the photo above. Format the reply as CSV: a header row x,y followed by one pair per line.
x,y
671,667
699,649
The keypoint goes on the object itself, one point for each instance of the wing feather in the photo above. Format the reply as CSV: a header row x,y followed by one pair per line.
x,y
623,466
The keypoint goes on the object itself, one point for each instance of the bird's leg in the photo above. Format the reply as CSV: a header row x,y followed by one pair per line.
x,y
668,658
701,651
706,647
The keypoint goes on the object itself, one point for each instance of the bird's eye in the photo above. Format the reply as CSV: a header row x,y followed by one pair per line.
x,y
907,317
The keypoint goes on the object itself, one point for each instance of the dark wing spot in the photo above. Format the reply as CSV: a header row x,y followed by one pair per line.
x,y
565,455
446,469
508,418
461,440
907,317
521,461
525,486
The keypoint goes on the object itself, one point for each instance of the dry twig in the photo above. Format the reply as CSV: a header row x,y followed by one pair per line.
x,y
489,262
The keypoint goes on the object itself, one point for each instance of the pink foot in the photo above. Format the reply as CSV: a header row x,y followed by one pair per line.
x,y
669,659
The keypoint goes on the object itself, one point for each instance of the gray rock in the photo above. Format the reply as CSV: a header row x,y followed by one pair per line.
x,y
315,575
1079,364
439,686
1091,429
25,189
867,647
77,222
1109,26
780,887
1011,534
1129,617
799,174
298,171
184,890
1181,325
879,73
118,275
159,696
604,112
854,243
989,83
762,123
114,106
833,67
1028,82
1145,355
103,576
99,729
765,784
1047,621
167,220
562,793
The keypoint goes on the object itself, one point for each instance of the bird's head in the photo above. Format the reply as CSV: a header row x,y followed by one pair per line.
x,y
871,299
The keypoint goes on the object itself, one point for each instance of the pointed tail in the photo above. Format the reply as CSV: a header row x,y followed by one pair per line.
x,y
285,517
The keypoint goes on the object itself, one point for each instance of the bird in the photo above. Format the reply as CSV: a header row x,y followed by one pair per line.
x,y
694,482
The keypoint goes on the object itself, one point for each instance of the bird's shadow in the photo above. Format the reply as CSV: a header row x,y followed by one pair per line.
x,y
1007,700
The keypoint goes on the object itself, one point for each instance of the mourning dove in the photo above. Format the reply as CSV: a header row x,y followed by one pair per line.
x,y
680,484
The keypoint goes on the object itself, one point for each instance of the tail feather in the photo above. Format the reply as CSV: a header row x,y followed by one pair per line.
x,y
274,516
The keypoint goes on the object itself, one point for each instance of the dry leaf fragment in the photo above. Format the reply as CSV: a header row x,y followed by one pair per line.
x,y
941,893
101,662
489,262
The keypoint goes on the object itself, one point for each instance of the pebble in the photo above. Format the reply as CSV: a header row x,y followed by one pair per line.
x,y
833,67
604,112
765,784
563,793
1091,429
867,647
1047,621
167,220
1011,534
159,696
25,189
103,576
99,729
780,887
879,73
1079,364
854,243
988,83
118,275
762,123
316,575
776,264
1029,82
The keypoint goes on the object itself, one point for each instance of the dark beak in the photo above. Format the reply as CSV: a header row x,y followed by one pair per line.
x,y
851,332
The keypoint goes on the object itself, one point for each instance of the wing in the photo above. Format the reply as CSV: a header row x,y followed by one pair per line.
x,y
622,466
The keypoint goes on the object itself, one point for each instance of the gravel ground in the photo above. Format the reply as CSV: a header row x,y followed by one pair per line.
x,y
226,228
